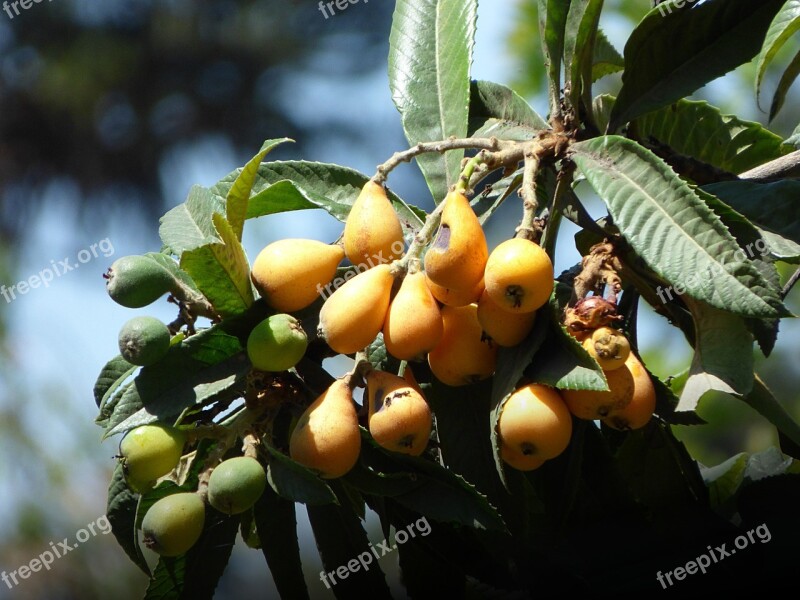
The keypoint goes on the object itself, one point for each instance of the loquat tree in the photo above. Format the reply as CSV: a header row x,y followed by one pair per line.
x,y
506,407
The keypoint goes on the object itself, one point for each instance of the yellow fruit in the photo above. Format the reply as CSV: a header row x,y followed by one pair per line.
x,y
519,275
505,328
455,296
534,426
399,417
353,315
638,412
457,257
609,347
413,323
520,461
373,234
290,274
591,405
462,356
327,438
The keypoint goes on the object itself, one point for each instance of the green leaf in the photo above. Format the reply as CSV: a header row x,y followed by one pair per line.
x,y
787,79
495,110
794,139
701,131
341,538
189,225
662,474
462,413
671,229
293,481
108,407
602,106
763,401
239,194
552,24
785,24
442,494
221,270
196,574
579,42
765,464
283,186
276,523
723,355
430,52
773,206
121,514
723,482
208,365
606,58
563,363
714,38
112,375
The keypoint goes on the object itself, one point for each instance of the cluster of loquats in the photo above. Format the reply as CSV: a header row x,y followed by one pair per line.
x,y
174,523
447,301
630,400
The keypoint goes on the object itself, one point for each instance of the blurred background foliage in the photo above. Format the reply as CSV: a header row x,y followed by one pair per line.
x,y
110,110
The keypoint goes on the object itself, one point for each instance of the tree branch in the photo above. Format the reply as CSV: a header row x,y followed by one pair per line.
x,y
785,167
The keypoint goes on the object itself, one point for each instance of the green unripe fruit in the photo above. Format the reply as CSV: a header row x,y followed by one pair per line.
x,y
236,484
277,343
143,341
136,281
174,524
149,452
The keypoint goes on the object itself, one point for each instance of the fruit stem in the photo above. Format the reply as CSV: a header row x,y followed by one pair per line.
x,y
563,184
527,228
492,144
468,170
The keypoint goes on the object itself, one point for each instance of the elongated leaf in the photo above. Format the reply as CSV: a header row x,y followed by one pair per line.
x,y
295,482
276,523
495,110
723,356
785,24
221,270
208,365
715,36
787,79
606,58
552,25
113,374
239,194
189,226
283,186
443,494
340,539
701,131
579,41
762,400
430,53
671,229
772,206
121,514
794,139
